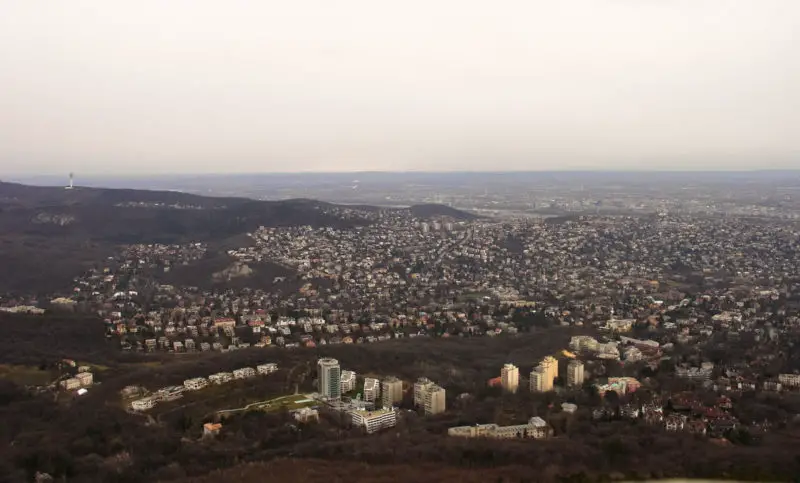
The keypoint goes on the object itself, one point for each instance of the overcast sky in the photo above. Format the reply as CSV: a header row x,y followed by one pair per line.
x,y
169,86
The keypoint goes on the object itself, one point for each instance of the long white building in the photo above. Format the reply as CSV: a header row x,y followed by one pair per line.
x,y
220,377
535,428
244,373
195,384
373,421
143,404
267,368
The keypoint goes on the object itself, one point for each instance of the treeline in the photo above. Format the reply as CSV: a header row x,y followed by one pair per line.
x,y
44,339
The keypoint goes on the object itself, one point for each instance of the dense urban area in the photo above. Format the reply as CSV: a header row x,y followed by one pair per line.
x,y
655,341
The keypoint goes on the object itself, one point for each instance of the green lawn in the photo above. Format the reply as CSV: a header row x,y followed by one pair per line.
x,y
27,375
291,402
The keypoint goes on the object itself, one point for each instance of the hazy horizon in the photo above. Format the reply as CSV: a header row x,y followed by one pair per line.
x,y
203,87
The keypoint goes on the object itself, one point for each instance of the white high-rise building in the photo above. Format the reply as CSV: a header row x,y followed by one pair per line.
x,y
372,389
509,378
348,381
575,373
329,378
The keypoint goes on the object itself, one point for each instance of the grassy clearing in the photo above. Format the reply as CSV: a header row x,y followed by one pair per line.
x,y
27,375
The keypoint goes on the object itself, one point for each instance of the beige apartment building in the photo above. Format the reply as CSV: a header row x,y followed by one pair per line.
x,y
434,399
509,378
391,391
550,365
539,381
429,396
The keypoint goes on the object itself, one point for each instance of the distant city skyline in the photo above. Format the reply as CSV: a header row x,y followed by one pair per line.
x,y
121,89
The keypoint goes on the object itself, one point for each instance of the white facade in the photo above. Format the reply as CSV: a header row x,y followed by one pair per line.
x,y
509,378
373,421
305,415
372,389
220,377
143,404
195,383
789,380
347,381
268,368
244,373
583,343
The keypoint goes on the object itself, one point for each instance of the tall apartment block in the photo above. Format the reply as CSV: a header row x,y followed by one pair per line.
x,y
434,399
348,381
391,391
430,396
540,382
575,373
509,378
329,378
372,389
550,365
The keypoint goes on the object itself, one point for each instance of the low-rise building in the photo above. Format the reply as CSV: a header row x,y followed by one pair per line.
x,y
373,421
143,404
244,373
70,384
195,383
211,429
220,378
267,368
536,428
85,378
789,380
305,415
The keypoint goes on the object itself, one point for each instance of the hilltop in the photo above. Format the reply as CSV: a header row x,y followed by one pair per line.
x,y
48,233
143,216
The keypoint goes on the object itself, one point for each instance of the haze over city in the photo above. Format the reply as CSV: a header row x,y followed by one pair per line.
x,y
112,88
